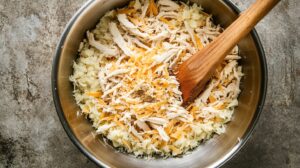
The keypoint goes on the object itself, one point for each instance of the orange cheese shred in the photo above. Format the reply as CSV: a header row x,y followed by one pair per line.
x,y
126,11
198,42
95,94
164,20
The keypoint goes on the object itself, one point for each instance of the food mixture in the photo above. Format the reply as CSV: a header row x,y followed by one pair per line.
x,y
124,78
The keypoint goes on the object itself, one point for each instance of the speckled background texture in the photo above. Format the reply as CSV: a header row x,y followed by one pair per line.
x,y
32,136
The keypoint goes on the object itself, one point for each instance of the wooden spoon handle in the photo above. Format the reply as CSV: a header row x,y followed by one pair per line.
x,y
194,73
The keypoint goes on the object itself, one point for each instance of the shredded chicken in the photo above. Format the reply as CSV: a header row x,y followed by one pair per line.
x,y
118,39
124,82
101,47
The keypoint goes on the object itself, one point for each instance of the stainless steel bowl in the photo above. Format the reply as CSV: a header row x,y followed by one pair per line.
x,y
212,153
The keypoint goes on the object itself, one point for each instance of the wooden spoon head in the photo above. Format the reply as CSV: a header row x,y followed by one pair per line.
x,y
193,75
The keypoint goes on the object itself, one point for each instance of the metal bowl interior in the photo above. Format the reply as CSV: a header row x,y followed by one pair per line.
x,y
212,153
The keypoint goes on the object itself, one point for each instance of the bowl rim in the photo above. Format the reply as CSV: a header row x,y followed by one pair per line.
x,y
222,161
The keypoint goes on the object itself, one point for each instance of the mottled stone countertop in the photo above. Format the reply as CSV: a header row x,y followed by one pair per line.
x,y
32,136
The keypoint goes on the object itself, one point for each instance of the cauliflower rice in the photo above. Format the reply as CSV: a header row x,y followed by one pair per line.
x,y
124,78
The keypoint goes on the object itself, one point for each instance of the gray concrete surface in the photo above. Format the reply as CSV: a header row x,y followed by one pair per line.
x,y
32,136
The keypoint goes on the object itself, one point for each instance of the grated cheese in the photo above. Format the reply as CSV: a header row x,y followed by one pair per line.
x,y
124,82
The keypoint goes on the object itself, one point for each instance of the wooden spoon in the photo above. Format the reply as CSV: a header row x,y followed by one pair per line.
x,y
194,73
